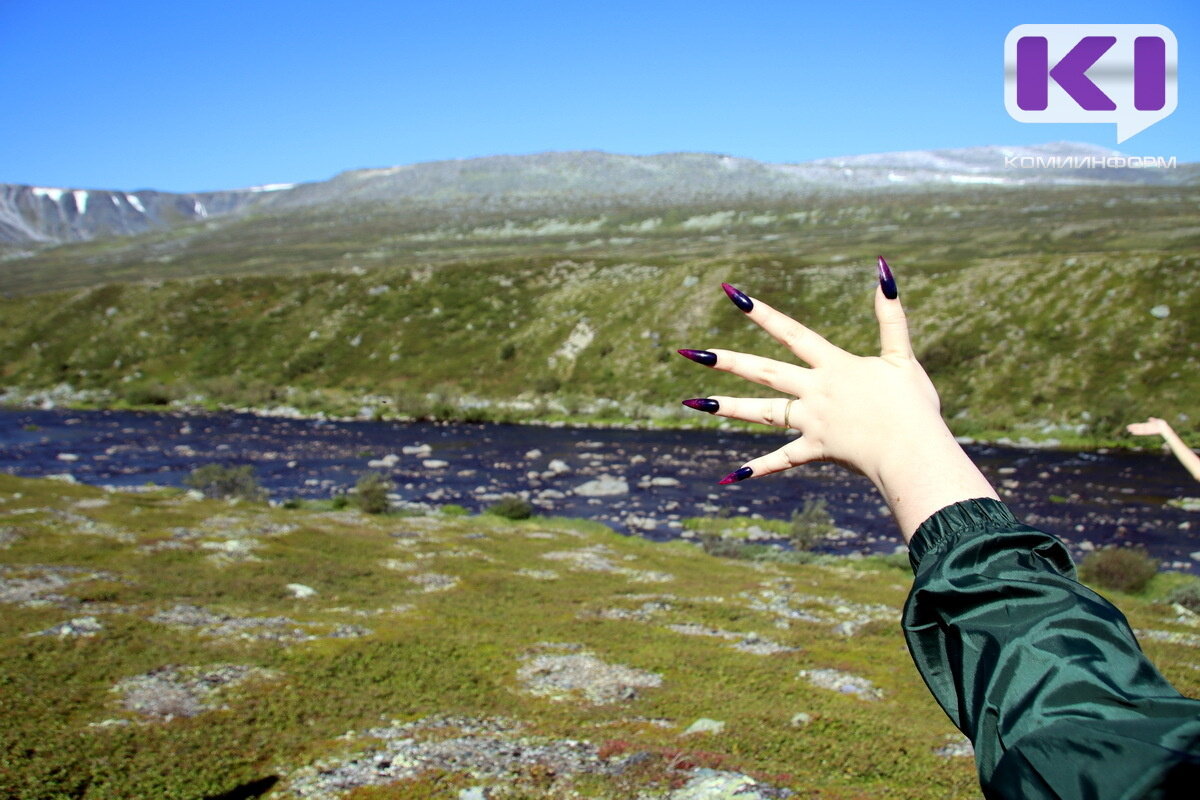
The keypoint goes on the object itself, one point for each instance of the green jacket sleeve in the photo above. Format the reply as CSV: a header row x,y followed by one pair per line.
x,y
1042,674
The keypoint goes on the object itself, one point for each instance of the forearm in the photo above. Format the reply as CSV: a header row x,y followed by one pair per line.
x,y
1185,454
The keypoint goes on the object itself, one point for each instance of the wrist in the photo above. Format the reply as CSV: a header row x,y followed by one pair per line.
x,y
925,474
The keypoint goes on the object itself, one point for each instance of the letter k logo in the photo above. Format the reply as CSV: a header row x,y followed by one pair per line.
x,y
1127,74
1070,73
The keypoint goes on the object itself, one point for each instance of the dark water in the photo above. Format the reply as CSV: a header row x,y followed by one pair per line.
x,y
1083,497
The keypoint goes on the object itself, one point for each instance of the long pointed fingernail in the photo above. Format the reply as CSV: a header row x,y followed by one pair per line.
x,y
886,281
704,357
703,404
735,476
738,297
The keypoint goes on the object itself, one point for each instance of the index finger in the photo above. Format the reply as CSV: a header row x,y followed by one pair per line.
x,y
804,342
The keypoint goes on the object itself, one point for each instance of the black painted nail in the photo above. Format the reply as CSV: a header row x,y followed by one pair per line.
x,y
700,356
703,404
736,475
738,297
886,281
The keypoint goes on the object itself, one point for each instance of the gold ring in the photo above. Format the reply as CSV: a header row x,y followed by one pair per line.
x,y
787,413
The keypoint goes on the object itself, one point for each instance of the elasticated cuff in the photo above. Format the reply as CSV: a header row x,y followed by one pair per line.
x,y
938,532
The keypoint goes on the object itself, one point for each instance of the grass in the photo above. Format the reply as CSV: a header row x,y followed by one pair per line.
x,y
455,651
1030,307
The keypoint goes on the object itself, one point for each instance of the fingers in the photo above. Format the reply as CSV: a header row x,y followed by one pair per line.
x,y
804,343
789,378
792,454
780,412
893,326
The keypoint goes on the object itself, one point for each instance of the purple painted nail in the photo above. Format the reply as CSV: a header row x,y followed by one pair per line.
x,y
736,475
700,356
703,404
738,297
886,281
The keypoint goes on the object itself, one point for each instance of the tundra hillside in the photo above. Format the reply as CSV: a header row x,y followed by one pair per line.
x,y
1044,313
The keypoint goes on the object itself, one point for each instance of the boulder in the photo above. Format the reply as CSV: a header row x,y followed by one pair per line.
x,y
603,486
705,725
387,462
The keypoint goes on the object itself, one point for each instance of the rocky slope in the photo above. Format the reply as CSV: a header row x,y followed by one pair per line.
x,y
1040,311
33,215
564,182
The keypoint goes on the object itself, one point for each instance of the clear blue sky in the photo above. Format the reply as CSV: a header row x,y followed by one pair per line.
x,y
187,96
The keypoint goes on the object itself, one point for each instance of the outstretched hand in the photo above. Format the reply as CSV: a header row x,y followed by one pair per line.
x,y
1151,427
878,415
1155,426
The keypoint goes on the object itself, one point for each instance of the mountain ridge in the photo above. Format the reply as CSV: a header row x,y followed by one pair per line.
x,y
38,216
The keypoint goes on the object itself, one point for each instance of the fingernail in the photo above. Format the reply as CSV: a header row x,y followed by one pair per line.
x,y
886,281
738,297
735,476
700,356
703,404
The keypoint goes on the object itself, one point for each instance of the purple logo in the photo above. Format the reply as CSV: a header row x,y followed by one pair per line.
x,y
1123,74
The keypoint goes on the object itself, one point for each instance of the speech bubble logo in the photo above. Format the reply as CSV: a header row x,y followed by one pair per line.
x,y
1123,74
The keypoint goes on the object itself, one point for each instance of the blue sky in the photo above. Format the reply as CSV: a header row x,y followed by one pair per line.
x,y
193,96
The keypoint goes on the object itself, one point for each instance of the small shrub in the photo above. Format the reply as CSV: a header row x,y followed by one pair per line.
x,y
454,510
339,502
811,524
1122,569
1187,595
371,493
259,393
717,545
150,394
512,507
216,481
775,555
547,384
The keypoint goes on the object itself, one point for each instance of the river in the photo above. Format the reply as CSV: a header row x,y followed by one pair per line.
x,y
1089,499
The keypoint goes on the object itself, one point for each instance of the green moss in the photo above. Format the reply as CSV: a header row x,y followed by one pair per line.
x,y
453,650
735,527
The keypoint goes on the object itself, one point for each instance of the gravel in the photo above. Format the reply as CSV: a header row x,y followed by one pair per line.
x,y
172,691
283,630
562,677
487,749
842,682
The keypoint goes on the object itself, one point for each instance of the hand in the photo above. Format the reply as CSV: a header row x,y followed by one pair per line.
x,y
1154,425
879,416
1151,427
